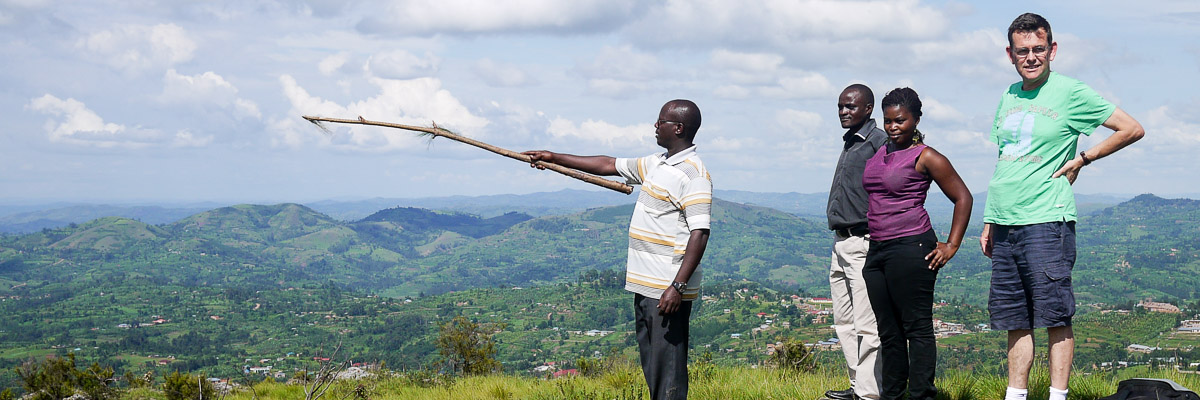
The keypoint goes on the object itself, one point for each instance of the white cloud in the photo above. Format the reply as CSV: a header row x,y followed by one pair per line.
x,y
413,102
203,89
933,109
286,132
764,74
619,72
613,88
327,8
136,48
783,23
400,64
734,92
727,144
331,64
246,108
1076,54
807,123
802,85
79,125
25,3
186,138
968,142
747,68
752,62
760,70
501,75
977,54
621,63
514,124
795,132
438,17
1168,132
790,84
613,136
78,118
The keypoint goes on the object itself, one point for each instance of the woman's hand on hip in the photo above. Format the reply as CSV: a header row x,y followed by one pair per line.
x,y
941,254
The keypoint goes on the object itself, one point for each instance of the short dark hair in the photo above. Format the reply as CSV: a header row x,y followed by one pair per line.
x,y
1029,22
689,112
903,97
862,89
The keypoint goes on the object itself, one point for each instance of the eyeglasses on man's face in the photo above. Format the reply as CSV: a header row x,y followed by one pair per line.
x,y
1037,51
663,121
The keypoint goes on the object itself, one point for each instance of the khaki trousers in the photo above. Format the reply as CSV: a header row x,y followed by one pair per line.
x,y
853,318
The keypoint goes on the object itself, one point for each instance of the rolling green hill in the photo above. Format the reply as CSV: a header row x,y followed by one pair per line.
x,y
399,251
1145,247
257,282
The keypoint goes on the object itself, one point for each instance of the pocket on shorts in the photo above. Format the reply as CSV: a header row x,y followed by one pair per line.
x,y
1061,304
1059,271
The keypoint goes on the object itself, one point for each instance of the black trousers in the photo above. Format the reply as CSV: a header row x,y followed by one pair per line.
x,y
900,286
663,347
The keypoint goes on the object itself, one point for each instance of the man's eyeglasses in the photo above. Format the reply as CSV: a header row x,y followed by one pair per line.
x,y
663,121
1038,51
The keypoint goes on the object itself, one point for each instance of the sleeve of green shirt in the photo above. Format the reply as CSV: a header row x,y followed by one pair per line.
x,y
1087,109
996,121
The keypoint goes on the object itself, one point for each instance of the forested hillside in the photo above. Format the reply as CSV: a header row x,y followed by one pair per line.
x,y
397,252
1145,247
283,283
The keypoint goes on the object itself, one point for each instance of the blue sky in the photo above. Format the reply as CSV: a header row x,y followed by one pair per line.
x,y
169,101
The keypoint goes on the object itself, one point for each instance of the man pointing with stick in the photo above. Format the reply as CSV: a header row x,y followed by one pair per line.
x,y
667,236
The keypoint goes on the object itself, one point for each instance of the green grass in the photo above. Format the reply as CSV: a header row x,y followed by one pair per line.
x,y
624,381
22,353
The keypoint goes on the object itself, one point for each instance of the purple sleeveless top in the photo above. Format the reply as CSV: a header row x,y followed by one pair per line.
x,y
896,194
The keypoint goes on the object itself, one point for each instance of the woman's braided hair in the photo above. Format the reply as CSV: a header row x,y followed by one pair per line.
x,y
907,98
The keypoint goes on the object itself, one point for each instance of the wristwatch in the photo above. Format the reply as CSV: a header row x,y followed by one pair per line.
x,y
680,286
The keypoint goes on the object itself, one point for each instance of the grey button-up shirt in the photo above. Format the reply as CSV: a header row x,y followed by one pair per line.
x,y
847,199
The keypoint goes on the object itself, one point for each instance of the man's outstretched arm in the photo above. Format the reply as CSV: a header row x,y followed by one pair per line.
x,y
595,165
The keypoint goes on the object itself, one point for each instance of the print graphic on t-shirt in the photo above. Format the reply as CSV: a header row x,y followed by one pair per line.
x,y
1019,141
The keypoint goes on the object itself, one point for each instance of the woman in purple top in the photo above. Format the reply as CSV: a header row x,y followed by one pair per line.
x,y
905,255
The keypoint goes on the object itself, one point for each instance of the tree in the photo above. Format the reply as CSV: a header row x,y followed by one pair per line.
x,y
51,379
57,378
793,355
187,387
97,382
468,346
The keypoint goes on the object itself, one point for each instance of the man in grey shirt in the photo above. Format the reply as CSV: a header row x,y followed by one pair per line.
x,y
853,318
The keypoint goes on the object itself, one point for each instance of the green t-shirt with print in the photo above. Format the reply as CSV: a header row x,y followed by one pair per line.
x,y
1038,131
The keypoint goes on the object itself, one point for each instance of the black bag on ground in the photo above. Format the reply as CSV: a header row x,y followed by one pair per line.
x,y
1151,389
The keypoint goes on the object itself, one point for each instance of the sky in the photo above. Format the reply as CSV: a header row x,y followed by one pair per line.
x,y
174,101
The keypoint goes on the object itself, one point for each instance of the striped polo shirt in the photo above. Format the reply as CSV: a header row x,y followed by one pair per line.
x,y
676,198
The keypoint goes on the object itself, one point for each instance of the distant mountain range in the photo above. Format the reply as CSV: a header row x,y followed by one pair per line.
x,y
1143,247
398,251
32,218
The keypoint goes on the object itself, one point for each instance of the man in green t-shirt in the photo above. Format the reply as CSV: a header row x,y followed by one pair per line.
x,y
1029,229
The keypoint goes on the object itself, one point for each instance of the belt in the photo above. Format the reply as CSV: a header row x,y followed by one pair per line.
x,y
856,230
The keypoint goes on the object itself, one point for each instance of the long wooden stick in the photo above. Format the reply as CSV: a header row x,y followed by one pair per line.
x,y
440,132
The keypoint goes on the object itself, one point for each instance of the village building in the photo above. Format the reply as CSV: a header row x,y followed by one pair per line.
x,y
1190,325
1153,306
1137,348
947,329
